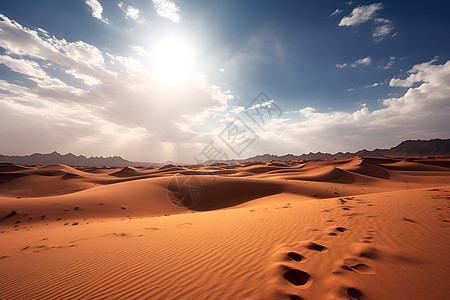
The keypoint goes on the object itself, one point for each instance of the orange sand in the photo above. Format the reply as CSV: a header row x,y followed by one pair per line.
x,y
361,228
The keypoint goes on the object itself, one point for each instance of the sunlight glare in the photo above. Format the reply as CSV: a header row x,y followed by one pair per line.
x,y
173,60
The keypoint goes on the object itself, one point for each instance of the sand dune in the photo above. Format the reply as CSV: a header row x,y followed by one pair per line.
x,y
360,228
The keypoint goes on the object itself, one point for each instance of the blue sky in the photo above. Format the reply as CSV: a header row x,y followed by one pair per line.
x,y
158,80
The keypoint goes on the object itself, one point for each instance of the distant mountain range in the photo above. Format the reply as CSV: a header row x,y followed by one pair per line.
x,y
71,160
432,147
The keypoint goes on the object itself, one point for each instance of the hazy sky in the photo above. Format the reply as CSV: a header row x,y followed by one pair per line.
x,y
159,80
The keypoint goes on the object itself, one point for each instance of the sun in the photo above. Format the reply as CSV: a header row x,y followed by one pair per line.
x,y
172,60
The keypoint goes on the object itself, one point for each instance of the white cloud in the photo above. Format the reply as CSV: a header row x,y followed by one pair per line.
x,y
363,61
426,72
34,72
237,109
374,84
361,14
97,10
20,41
167,9
383,29
307,111
130,63
422,112
336,12
122,103
88,80
360,62
366,86
387,65
263,104
131,12
139,50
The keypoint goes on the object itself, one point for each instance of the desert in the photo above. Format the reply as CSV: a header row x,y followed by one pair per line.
x,y
358,228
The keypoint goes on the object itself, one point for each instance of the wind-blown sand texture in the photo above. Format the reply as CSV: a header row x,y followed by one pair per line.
x,y
360,228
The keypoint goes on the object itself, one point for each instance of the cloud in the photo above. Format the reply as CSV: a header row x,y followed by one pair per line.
x,y
97,10
363,61
426,72
131,12
361,14
422,112
382,30
387,63
88,80
130,63
360,62
167,9
336,12
374,85
365,13
20,41
139,50
120,101
33,71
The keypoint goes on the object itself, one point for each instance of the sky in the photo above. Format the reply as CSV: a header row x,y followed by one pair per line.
x,y
188,81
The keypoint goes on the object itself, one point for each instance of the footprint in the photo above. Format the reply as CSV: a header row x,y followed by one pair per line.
x,y
152,228
297,277
316,247
184,224
338,229
357,266
296,257
371,253
354,293
341,229
292,280
363,269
